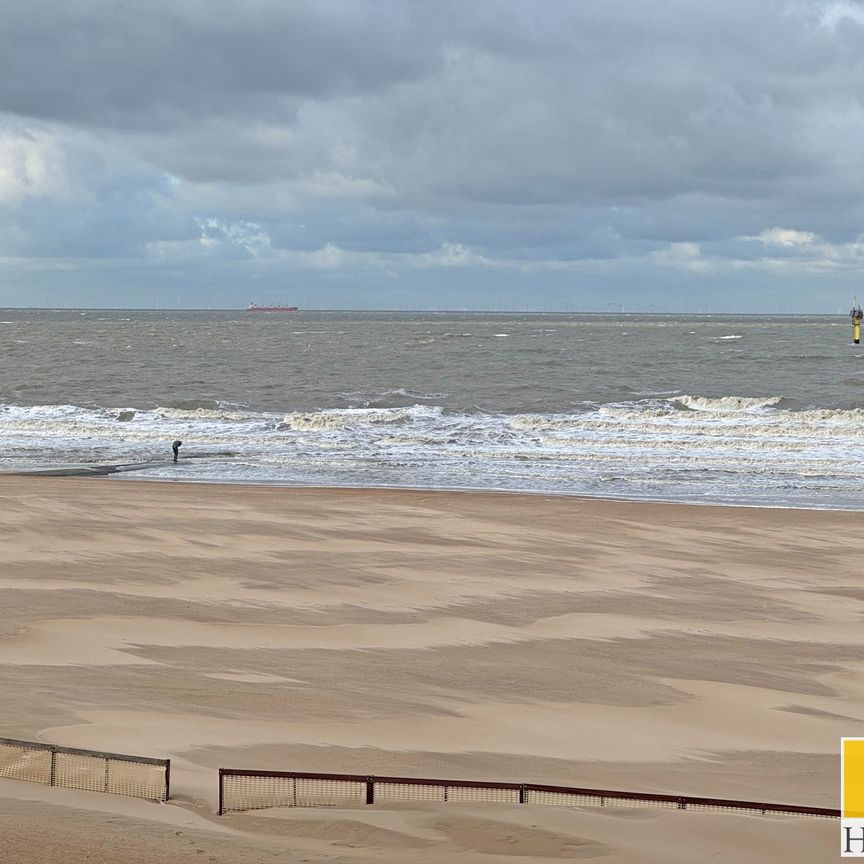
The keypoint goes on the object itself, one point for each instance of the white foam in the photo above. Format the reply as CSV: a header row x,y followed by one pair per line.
x,y
722,447
205,414
726,403
348,417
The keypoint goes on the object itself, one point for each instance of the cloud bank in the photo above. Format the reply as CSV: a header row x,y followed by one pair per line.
x,y
354,154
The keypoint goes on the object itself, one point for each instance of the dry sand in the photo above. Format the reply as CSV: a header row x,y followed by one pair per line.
x,y
681,649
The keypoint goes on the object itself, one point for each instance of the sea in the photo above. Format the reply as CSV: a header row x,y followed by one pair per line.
x,y
724,409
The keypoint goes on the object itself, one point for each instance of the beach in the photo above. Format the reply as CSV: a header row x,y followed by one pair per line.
x,y
682,649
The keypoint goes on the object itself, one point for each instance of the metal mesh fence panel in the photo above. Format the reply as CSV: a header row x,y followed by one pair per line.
x,y
251,792
74,771
563,799
615,801
409,792
136,779
728,809
756,809
240,792
772,812
482,793
135,776
20,762
329,793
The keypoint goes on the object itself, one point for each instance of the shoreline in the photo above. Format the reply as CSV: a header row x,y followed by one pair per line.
x,y
110,471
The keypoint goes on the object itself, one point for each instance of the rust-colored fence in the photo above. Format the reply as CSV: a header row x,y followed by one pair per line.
x,y
137,776
257,790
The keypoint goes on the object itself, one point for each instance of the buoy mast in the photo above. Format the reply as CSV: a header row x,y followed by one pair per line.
x,y
856,315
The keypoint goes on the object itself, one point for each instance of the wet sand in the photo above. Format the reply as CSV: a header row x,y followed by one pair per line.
x,y
681,649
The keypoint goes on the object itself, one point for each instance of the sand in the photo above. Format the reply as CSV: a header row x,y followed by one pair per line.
x,y
681,649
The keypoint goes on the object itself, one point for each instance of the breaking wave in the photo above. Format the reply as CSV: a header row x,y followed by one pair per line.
x,y
348,417
727,404
713,448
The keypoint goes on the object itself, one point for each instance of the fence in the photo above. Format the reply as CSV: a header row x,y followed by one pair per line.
x,y
138,776
256,790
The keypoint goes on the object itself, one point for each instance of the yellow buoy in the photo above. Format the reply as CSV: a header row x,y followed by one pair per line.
x,y
856,314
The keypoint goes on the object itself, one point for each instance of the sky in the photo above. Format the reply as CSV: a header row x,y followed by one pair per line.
x,y
574,155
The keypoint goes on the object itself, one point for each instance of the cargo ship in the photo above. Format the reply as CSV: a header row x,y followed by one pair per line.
x,y
254,307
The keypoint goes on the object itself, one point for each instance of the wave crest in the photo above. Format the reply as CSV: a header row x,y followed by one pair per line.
x,y
203,414
341,419
726,404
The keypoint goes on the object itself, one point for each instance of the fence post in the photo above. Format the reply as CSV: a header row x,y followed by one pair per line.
x,y
522,794
370,790
221,808
53,766
107,766
168,779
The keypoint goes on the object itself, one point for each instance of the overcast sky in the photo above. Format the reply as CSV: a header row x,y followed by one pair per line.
x,y
495,154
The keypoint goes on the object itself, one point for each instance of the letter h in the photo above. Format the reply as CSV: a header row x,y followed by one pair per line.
x,y
850,839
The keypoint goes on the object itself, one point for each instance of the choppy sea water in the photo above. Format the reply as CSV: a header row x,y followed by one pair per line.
x,y
736,409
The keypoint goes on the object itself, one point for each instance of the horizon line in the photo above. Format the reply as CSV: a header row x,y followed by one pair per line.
x,y
426,310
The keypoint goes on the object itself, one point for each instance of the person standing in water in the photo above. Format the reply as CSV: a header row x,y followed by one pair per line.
x,y
176,448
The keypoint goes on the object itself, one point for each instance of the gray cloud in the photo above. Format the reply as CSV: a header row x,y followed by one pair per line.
x,y
649,137
163,64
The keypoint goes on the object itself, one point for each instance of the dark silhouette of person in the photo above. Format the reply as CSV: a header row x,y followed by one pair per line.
x,y
176,448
